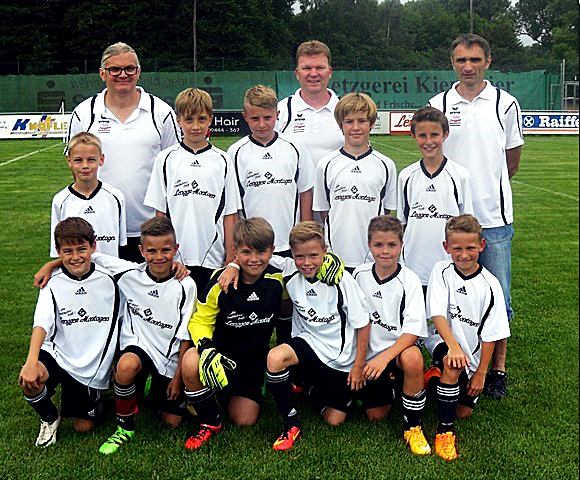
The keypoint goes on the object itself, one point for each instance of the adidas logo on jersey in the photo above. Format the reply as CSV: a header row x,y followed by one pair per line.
x,y
89,209
430,188
377,294
267,156
153,293
462,290
81,291
253,297
356,170
311,293
195,163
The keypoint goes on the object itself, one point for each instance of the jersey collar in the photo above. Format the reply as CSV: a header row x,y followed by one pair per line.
x,y
437,172
160,280
468,277
389,278
205,149
255,142
360,157
84,277
81,196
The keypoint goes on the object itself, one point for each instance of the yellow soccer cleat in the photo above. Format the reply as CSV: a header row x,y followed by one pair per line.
x,y
417,441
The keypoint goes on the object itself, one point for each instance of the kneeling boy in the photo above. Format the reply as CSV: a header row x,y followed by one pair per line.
x,y
397,319
154,333
238,324
330,331
465,303
74,335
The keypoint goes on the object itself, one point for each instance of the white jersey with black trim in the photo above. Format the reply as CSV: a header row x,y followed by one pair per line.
x,y
353,190
424,204
315,128
270,179
325,316
104,209
130,147
480,132
196,190
473,305
81,320
158,311
396,306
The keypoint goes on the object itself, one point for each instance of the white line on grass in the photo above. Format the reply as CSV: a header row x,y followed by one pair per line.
x,y
546,190
28,154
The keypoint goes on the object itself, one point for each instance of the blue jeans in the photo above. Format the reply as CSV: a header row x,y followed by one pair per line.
x,y
497,258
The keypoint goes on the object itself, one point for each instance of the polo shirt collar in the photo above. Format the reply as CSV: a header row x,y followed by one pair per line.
x,y
302,105
144,101
486,94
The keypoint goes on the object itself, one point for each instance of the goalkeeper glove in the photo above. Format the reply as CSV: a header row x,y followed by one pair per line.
x,y
213,365
331,270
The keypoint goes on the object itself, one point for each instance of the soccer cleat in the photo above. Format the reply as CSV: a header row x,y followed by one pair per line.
x,y
201,436
287,439
445,445
495,384
115,441
416,440
47,434
430,374
297,389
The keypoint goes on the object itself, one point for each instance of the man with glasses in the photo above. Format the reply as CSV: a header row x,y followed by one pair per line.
x,y
134,127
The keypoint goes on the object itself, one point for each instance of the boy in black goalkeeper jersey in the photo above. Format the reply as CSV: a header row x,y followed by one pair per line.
x,y
237,324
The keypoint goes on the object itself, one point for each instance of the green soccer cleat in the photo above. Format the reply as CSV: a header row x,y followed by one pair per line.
x,y
114,442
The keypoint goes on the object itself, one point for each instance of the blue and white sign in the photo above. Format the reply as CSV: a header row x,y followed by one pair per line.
x,y
550,123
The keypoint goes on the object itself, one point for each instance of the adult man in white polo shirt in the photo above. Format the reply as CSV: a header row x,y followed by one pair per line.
x,y
309,113
485,136
133,127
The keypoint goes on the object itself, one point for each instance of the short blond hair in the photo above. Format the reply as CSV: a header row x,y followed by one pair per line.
x,y
354,103
193,101
261,96
463,224
84,138
311,48
305,231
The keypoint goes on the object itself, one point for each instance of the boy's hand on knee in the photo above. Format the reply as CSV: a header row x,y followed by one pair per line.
x,y
456,358
30,376
331,270
213,365
475,384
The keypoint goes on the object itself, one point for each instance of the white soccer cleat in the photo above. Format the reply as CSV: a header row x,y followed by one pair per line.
x,y
47,434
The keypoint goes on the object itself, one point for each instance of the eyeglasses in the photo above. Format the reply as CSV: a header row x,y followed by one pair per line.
x,y
116,71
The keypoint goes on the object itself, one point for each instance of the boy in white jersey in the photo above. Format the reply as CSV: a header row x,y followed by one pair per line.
x,y
397,319
102,205
275,176
465,303
154,333
194,184
355,183
431,191
74,336
329,340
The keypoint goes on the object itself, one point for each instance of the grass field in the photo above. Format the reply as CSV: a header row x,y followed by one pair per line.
x,y
532,434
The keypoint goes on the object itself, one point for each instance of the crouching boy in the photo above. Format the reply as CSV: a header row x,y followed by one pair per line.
x,y
465,303
74,336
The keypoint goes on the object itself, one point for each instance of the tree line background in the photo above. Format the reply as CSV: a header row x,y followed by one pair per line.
x,y
59,36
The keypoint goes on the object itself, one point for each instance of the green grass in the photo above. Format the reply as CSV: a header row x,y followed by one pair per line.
x,y
532,434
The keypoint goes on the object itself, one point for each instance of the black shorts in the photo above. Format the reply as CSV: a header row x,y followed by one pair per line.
x,y
329,386
381,392
157,396
200,276
247,379
469,401
76,400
